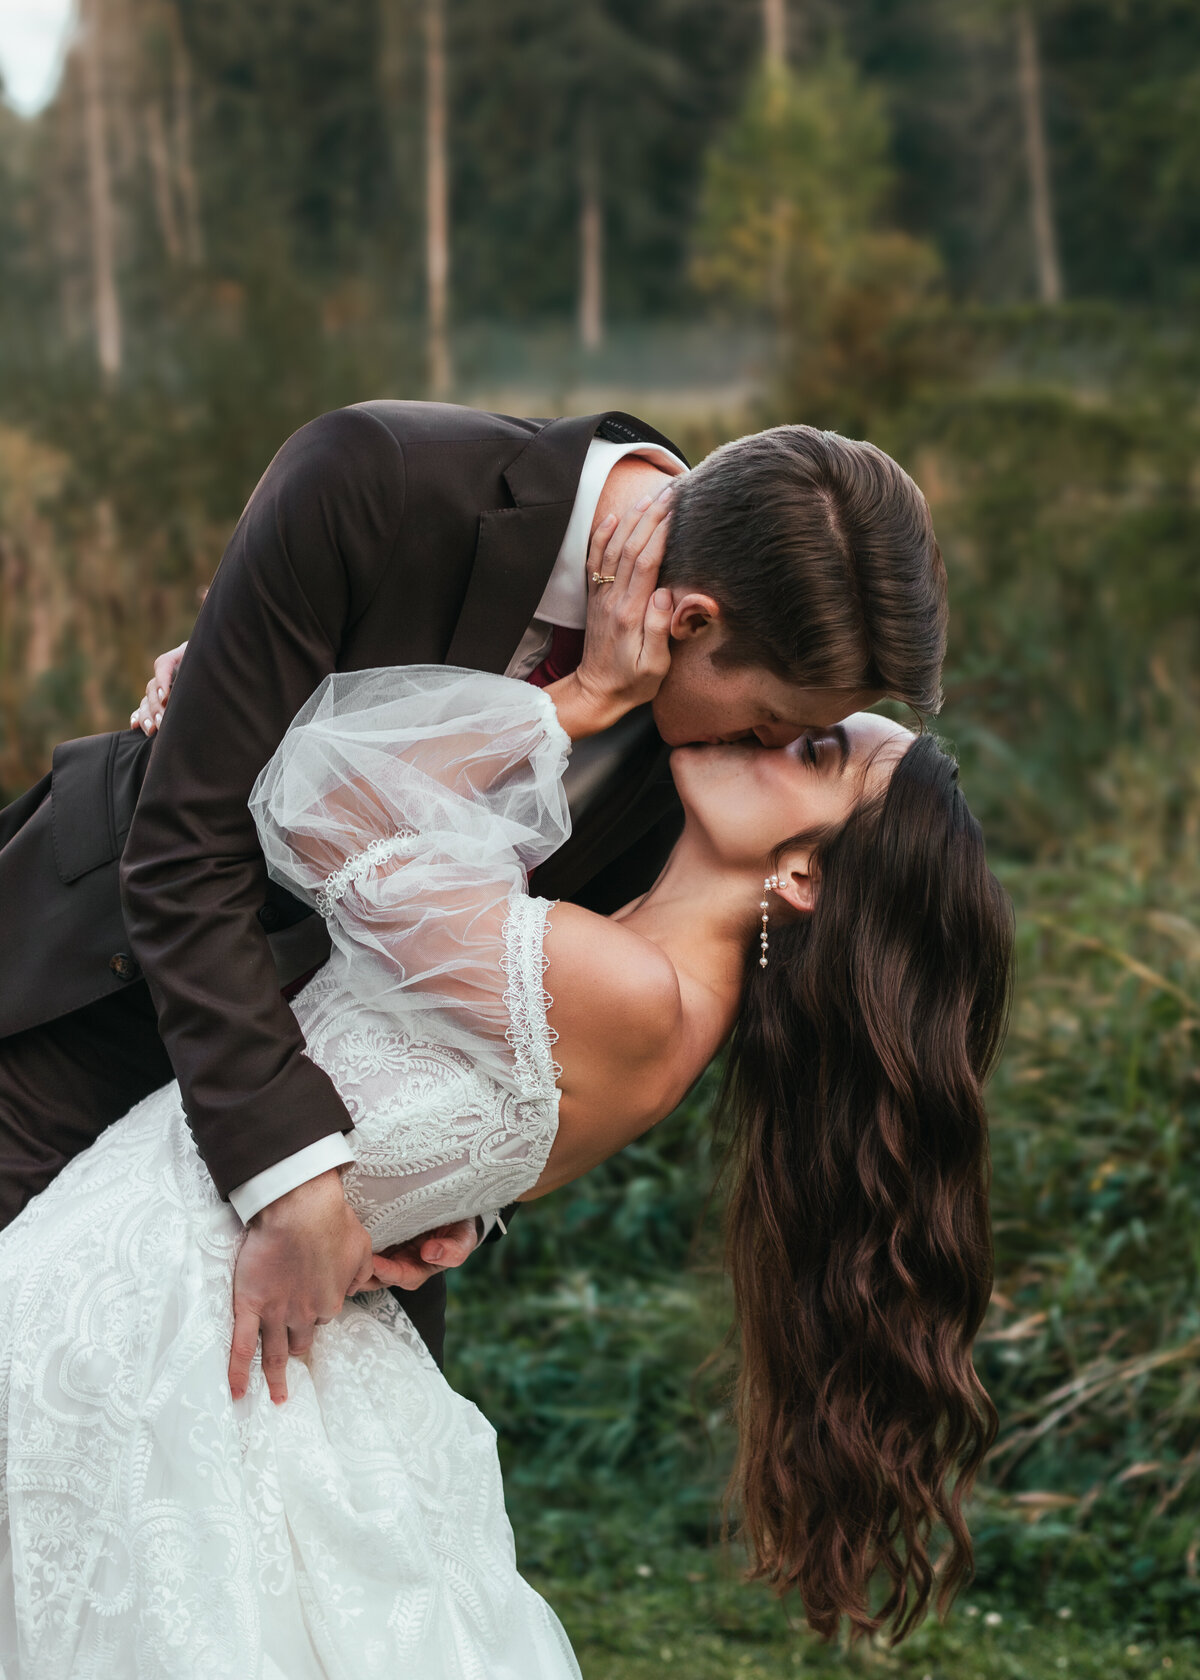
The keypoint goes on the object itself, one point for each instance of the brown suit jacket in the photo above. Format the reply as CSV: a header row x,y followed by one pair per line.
x,y
387,533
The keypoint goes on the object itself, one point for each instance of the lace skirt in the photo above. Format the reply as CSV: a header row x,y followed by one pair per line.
x,y
151,1527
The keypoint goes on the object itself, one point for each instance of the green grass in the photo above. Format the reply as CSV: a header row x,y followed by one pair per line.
x,y
691,1616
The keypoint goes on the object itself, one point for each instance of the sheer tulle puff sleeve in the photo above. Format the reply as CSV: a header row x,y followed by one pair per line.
x,y
408,805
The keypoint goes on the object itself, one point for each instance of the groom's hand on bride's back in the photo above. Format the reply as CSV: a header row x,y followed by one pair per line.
x,y
302,1256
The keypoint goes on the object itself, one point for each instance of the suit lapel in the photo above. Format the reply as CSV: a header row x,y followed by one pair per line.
x,y
513,558
518,545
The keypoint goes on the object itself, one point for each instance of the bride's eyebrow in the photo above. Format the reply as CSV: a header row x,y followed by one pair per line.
x,y
843,743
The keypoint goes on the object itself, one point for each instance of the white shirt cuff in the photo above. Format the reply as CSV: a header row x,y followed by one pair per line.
x,y
489,1221
267,1186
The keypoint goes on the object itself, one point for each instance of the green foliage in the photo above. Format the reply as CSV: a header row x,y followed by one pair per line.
x,y
796,180
1094,1344
1119,89
1058,461
1124,86
542,91
792,222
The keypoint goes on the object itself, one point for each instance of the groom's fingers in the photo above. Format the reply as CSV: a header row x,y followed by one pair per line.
x,y
275,1358
245,1346
299,1341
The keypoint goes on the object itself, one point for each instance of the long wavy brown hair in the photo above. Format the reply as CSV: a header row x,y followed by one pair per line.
x,y
858,1237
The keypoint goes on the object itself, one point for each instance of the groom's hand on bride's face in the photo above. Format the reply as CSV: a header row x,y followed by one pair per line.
x,y
302,1256
409,1265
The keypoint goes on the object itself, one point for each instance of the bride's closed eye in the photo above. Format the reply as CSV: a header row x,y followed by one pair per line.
x,y
815,747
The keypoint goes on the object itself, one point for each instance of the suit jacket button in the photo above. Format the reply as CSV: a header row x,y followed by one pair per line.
x,y
269,917
124,967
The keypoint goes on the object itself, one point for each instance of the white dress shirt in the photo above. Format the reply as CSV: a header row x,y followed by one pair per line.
x,y
563,602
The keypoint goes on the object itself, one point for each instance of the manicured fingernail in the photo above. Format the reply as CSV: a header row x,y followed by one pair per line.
x,y
160,692
434,1253
640,507
146,726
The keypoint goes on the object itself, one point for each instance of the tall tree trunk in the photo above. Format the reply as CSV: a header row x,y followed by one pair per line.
x,y
393,49
160,170
775,54
591,240
106,304
1041,202
775,31
185,166
437,209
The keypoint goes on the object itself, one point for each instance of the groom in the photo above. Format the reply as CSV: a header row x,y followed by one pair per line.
x,y
143,935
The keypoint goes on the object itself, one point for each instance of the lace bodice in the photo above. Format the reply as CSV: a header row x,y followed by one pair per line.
x,y
408,805
436,1136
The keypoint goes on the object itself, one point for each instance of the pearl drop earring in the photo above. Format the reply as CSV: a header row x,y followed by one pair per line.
x,y
771,884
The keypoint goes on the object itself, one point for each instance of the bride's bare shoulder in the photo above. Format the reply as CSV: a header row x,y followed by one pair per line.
x,y
610,985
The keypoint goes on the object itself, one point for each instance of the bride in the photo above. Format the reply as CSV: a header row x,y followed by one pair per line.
x,y
151,1525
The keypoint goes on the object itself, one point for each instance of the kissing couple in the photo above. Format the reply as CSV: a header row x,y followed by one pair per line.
x,y
511,772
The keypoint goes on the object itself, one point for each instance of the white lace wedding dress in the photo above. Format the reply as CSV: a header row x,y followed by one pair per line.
x,y
151,1528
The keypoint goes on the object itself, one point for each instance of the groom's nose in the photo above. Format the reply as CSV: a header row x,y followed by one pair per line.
x,y
776,734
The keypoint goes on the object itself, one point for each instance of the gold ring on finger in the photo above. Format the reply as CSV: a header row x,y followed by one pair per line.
x,y
603,577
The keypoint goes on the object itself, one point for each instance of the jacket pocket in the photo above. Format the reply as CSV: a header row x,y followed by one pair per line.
x,y
94,784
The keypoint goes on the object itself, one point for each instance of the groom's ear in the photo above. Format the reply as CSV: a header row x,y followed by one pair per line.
x,y
693,613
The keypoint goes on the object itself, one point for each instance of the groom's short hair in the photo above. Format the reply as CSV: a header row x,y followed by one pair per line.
x,y
821,553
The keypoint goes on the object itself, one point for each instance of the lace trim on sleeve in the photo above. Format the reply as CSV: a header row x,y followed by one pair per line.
x,y
361,864
526,999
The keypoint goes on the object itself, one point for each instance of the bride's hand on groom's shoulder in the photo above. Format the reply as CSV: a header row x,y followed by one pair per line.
x,y
409,1265
627,646
149,713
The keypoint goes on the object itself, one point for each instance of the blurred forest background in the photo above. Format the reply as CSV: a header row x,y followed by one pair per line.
x,y
968,229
